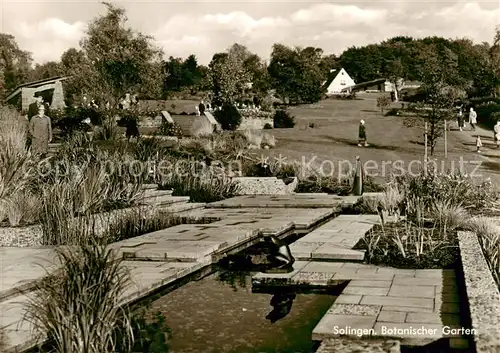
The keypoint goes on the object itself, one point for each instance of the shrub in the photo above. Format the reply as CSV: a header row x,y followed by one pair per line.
x,y
393,112
485,113
79,307
383,102
71,119
143,220
267,126
283,119
229,117
23,207
455,188
147,149
254,137
205,186
170,129
15,161
495,117
108,130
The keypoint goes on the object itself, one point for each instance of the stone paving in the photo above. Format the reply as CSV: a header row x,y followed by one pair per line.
x,y
145,277
335,239
377,300
287,201
178,251
196,242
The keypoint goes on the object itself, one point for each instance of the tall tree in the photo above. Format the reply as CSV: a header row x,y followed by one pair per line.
x,y
47,70
121,60
173,75
228,76
15,64
442,86
296,73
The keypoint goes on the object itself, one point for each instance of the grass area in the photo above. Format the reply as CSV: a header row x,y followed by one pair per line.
x,y
335,133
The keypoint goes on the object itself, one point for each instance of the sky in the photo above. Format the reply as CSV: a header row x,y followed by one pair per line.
x,y
48,28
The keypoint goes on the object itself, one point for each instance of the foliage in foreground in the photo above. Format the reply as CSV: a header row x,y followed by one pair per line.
x,y
78,307
434,208
201,186
144,220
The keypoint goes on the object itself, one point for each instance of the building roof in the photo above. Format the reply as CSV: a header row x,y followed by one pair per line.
x,y
35,84
361,85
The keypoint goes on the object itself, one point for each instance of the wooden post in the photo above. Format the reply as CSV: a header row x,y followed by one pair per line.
x,y
425,148
445,141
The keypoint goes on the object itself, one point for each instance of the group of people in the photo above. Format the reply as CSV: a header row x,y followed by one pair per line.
x,y
472,119
473,122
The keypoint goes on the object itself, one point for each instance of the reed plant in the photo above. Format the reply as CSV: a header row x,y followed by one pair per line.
x,y
78,308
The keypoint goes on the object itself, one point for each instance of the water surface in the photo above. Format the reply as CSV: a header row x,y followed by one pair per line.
x,y
220,314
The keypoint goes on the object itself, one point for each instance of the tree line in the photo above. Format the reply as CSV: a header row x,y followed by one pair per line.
x,y
114,59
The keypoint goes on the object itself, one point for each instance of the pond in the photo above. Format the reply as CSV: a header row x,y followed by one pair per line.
x,y
220,314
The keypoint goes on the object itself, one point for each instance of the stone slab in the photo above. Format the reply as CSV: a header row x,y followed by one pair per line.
x,y
398,301
348,299
392,316
332,252
411,291
285,201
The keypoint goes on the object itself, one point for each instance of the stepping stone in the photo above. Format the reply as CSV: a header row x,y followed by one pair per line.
x,y
331,252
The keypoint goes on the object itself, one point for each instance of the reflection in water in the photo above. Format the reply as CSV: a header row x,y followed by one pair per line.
x,y
282,305
214,316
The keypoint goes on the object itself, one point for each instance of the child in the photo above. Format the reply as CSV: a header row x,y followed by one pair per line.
x,y
479,144
362,134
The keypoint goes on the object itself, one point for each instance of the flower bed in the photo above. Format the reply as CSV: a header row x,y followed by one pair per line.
x,y
411,246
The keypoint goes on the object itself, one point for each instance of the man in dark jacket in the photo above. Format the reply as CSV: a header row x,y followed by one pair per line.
x,y
202,108
33,107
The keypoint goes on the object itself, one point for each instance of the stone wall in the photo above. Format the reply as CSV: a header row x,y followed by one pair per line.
x,y
254,123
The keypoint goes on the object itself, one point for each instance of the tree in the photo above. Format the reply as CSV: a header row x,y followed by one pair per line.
x,y
442,86
119,60
15,64
74,64
495,58
228,77
395,75
173,75
382,103
47,70
259,76
296,73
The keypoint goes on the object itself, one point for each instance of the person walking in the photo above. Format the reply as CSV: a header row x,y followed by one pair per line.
x,y
472,119
479,144
202,108
362,134
496,131
40,132
460,119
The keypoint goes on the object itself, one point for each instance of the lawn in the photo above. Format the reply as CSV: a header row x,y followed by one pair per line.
x,y
334,138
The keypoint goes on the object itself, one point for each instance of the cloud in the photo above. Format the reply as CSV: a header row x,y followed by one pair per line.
x,y
331,26
49,38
